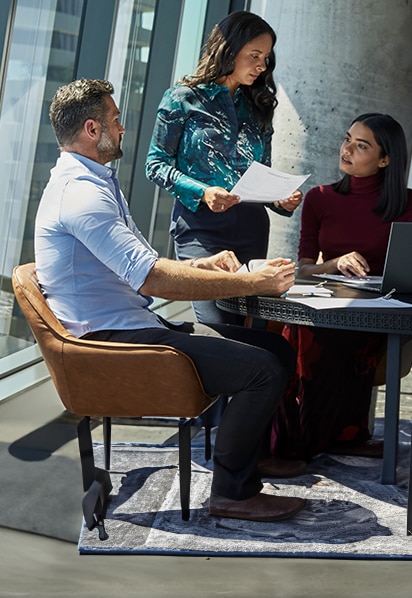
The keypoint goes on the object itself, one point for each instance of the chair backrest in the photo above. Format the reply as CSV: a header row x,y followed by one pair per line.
x,y
109,379
406,364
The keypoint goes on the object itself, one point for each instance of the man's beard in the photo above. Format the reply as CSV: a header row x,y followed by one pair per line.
x,y
107,147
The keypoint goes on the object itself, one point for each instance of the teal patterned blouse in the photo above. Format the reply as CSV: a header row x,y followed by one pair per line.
x,y
203,137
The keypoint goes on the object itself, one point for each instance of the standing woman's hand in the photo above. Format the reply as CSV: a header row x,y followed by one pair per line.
x,y
218,199
290,203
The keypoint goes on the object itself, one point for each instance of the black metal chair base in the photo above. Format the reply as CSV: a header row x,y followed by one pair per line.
x,y
97,483
409,508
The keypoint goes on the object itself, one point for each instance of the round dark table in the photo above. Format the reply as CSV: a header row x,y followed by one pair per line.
x,y
395,322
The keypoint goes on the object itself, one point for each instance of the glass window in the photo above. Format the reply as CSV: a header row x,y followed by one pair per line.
x,y
127,72
187,56
41,57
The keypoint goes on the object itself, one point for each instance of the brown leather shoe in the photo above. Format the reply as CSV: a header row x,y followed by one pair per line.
x,y
275,467
368,448
261,507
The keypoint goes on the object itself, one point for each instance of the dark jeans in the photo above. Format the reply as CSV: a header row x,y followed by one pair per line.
x,y
252,366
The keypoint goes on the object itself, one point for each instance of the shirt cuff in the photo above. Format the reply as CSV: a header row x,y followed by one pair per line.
x,y
192,196
276,207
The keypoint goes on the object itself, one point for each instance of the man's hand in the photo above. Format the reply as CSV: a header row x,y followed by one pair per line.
x,y
224,260
218,199
274,277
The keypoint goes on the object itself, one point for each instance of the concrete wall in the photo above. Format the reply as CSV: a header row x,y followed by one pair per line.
x,y
335,59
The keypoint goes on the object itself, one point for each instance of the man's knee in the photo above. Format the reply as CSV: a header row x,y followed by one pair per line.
x,y
270,370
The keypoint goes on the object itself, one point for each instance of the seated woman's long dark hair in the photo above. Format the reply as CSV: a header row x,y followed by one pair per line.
x,y
225,41
390,136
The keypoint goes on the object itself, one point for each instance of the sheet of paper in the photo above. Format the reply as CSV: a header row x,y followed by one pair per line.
x,y
266,185
351,279
253,265
336,302
307,290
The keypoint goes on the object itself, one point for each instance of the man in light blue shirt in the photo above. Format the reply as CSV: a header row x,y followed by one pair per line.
x,y
99,274
82,213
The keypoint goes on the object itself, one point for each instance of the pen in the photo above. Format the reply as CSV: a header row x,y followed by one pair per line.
x,y
311,294
389,295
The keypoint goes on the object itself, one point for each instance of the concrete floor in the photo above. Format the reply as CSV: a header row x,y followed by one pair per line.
x,y
36,566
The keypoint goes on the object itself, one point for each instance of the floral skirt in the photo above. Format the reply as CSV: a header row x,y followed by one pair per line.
x,y
328,400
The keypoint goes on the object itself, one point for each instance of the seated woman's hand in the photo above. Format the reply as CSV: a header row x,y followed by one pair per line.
x,y
353,264
218,199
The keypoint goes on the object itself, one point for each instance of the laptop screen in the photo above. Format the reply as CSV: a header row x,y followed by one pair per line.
x,y
397,272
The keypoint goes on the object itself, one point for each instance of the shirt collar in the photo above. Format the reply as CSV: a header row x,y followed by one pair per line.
x,y
102,171
213,89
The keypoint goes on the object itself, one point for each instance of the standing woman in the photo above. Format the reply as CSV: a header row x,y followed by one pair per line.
x,y
210,127
344,230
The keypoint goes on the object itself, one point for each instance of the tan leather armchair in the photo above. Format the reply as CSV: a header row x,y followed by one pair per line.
x,y
406,363
105,379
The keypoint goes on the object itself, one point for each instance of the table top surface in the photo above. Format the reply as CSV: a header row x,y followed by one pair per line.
x,y
389,320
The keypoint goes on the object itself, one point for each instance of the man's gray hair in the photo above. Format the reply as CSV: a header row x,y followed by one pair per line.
x,y
76,102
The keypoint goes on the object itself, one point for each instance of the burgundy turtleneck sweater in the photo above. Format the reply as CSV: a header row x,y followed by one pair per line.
x,y
335,224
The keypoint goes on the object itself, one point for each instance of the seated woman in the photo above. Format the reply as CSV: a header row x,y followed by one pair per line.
x,y
344,230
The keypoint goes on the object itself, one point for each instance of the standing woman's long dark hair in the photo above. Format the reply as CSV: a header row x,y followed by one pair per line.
x,y
390,136
224,43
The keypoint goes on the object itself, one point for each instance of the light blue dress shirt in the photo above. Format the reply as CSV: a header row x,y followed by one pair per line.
x,y
87,245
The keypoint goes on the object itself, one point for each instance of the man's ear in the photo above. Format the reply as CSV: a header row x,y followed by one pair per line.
x,y
90,127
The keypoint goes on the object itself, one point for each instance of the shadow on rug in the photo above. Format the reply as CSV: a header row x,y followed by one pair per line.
x,y
348,512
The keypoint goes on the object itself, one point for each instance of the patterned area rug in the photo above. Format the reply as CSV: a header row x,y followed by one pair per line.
x,y
349,514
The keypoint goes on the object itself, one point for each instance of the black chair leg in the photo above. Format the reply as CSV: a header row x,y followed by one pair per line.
x,y
208,442
211,419
185,466
86,452
409,510
96,482
107,439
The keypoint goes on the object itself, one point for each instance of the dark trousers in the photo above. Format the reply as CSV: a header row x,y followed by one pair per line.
x,y
252,367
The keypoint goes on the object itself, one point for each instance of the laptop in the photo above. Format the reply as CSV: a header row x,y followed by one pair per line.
x,y
396,278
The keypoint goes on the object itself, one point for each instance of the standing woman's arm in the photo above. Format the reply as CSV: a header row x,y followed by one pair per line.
x,y
163,152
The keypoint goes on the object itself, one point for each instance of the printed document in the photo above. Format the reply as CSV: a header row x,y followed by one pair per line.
x,y
318,302
263,184
351,279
